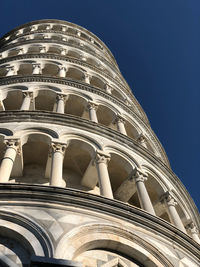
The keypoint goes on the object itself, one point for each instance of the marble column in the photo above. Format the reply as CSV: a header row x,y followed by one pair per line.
x,y
33,28
87,78
28,98
60,108
102,160
56,177
42,49
36,68
7,162
20,51
64,28
109,89
92,107
142,140
63,52
170,203
145,201
11,70
48,27
194,232
120,124
78,34
62,72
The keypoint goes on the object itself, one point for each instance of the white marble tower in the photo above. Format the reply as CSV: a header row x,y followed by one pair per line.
x,y
84,181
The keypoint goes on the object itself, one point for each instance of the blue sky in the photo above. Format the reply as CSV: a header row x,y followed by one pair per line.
x,y
156,44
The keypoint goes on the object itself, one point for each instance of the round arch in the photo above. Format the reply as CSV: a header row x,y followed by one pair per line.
x,y
109,237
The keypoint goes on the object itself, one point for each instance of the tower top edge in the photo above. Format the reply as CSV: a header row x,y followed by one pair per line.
x,y
67,23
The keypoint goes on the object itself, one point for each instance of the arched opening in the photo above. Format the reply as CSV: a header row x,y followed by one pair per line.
x,y
131,130
76,105
77,162
13,52
71,30
34,49
35,154
106,116
25,69
75,74
3,71
50,69
119,169
85,36
74,54
97,82
54,50
93,62
45,100
73,41
14,100
117,94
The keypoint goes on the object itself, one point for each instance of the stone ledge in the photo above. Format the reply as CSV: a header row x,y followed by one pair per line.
x,y
46,195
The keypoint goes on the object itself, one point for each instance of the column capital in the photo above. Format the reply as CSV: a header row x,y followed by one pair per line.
x,y
48,27
28,94
139,175
192,228
87,75
78,33
13,143
62,68
102,157
64,28
20,51
119,118
168,199
33,28
92,105
141,139
42,49
108,88
10,68
61,97
36,65
63,51
58,147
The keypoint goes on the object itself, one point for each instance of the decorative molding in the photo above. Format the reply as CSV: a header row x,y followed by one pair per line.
x,y
50,196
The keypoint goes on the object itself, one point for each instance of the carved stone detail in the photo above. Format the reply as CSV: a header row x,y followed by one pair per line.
x,y
168,199
139,175
92,105
102,157
58,147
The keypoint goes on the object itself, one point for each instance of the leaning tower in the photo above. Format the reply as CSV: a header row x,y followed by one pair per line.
x,y
84,181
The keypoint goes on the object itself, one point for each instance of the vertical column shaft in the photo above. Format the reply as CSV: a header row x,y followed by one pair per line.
x,y
56,176
60,103
120,125
92,107
103,176
172,212
28,96
8,160
143,195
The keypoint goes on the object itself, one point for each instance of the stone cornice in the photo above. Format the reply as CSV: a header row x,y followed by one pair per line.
x,y
46,196
62,22
83,124
17,79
